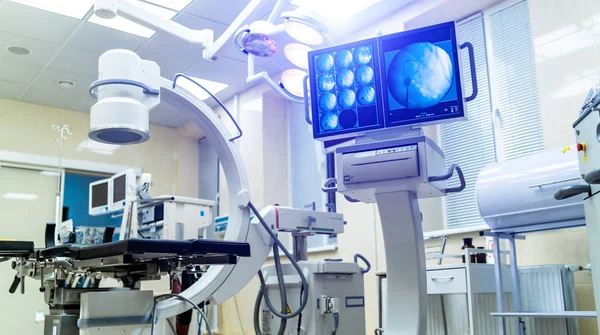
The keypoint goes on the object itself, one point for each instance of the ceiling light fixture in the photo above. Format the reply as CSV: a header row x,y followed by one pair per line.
x,y
72,8
177,5
125,25
65,83
19,51
335,10
20,196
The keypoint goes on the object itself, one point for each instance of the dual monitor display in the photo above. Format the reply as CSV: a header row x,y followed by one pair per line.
x,y
396,80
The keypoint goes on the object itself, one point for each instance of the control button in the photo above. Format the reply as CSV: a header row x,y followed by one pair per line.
x,y
581,147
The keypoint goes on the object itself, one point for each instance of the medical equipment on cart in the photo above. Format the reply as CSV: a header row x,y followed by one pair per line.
x,y
375,94
587,130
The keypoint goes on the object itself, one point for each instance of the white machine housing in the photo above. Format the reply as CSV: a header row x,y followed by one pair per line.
x,y
520,192
340,282
587,134
298,220
403,164
184,218
121,114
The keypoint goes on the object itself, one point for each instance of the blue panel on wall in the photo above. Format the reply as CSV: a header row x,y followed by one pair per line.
x,y
76,199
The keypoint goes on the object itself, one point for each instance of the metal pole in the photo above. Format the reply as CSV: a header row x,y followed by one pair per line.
x,y
516,287
499,286
300,246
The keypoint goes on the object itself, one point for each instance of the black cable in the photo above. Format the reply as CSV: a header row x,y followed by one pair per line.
x,y
304,300
261,292
214,98
172,295
300,316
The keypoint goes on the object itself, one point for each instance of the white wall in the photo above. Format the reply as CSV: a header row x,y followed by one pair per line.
x,y
172,159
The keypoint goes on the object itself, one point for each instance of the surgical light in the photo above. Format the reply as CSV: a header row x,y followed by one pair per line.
x,y
292,82
303,33
128,88
298,54
258,40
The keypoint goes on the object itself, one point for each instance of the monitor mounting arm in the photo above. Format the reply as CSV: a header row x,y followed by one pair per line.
x,y
108,9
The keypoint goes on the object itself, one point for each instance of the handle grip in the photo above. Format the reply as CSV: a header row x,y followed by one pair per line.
x,y
306,101
471,51
364,259
442,279
329,189
14,285
571,191
448,175
592,177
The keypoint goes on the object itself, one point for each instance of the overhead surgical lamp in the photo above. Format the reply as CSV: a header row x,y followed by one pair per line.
x,y
257,39
287,44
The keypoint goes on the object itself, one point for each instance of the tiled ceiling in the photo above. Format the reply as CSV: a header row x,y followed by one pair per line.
x,y
65,48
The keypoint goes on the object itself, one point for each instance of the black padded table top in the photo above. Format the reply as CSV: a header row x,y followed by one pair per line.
x,y
158,248
16,248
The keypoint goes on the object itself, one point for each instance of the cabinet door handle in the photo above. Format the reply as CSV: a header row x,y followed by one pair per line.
x,y
442,279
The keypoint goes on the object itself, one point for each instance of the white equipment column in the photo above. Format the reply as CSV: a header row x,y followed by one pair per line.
x,y
405,262
395,174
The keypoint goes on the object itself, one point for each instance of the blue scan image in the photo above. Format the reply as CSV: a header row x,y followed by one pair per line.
x,y
343,59
348,118
345,78
346,99
364,75
420,75
327,102
329,122
363,55
325,63
326,82
366,95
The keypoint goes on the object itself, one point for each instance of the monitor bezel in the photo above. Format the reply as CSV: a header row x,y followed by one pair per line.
x,y
105,209
130,181
315,102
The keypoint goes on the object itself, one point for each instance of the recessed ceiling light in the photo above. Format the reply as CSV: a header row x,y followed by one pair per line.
x,y
177,5
122,24
213,86
336,10
20,196
65,83
19,51
73,8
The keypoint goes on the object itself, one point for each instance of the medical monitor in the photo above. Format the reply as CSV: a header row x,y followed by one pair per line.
x,y
410,78
345,89
421,78
100,197
123,183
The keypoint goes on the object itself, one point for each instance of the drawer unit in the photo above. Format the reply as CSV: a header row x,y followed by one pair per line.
x,y
451,281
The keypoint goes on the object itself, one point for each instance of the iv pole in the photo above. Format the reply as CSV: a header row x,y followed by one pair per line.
x,y
65,133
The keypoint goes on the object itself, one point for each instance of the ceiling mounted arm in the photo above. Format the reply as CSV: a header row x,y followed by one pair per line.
x,y
108,9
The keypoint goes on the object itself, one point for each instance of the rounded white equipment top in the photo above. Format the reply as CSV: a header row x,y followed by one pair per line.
x,y
520,192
